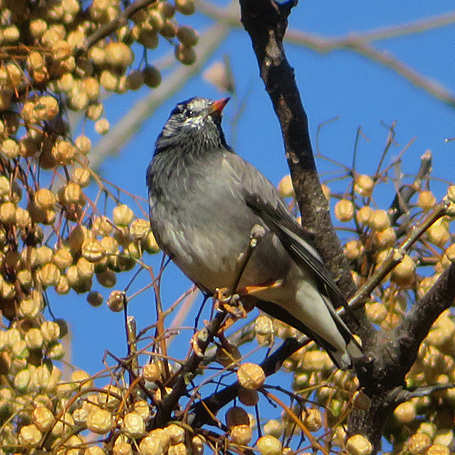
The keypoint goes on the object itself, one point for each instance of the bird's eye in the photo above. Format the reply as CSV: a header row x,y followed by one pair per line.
x,y
189,113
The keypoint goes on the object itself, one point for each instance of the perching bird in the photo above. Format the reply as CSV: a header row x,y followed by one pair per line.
x,y
205,200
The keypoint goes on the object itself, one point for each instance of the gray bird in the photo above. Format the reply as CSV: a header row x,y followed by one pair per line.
x,y
204,202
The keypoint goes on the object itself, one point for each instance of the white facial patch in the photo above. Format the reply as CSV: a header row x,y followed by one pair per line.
x,y
195,122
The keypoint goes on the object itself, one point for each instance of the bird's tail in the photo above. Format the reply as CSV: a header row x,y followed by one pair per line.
x,y
353,351
342,358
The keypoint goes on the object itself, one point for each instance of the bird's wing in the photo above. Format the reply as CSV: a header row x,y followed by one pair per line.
x,y
263,199
292,236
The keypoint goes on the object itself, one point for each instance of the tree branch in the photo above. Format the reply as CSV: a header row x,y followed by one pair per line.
x,y
360,43
203,410
396,256
418,321
389,356
266,24
111,26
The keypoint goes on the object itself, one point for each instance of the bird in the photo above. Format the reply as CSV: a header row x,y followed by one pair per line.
x,y
204,202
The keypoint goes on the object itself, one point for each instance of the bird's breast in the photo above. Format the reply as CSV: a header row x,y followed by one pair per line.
x,y
201,221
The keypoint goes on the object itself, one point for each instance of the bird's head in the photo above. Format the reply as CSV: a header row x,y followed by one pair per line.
x,y
194,125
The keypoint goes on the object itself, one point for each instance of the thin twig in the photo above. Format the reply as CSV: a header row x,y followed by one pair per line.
x,y
396,256
112,26
204,337
121,133
359,42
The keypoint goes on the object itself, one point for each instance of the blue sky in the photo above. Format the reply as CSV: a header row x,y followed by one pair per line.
x,y
359,92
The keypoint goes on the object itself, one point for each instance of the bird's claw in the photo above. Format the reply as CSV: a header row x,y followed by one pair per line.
x,y
229,304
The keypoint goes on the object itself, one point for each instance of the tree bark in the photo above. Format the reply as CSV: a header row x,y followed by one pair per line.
x,y
388,356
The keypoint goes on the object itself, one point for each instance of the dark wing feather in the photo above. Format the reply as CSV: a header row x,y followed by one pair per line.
x,y
291,235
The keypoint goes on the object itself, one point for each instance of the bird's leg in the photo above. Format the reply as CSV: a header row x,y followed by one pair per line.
x,y
252,290
227,299
257,232
234,305
231,305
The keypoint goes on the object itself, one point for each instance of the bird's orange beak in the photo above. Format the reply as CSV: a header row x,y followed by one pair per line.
x,y
218,106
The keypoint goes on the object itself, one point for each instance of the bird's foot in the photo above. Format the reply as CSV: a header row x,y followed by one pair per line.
x,y
230,304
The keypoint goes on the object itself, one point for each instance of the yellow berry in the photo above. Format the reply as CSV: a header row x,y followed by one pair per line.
x,y
92,250
102,126
312,418
285,187
438,234
116,301
30,436
7,213
404,273
418,443
251,376
405,412
451,193
133,425
185,54
241,434
10,148
49,275
187,35
364,185
151,446
274,428
344,210
45,199
379,221
386,238
364,215
43,418
358,445
353,249
185,7
99,421
376,312
122,215
153,371
426,200
437,449
119,54
150,245
81,176
269,445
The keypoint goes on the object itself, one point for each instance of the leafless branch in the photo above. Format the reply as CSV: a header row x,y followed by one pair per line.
x,y
396,256
405,193
111,26
130,123
360,43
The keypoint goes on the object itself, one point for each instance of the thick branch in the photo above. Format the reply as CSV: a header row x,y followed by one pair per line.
x,y
417,323
393,356
204,410
266,23
360,43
